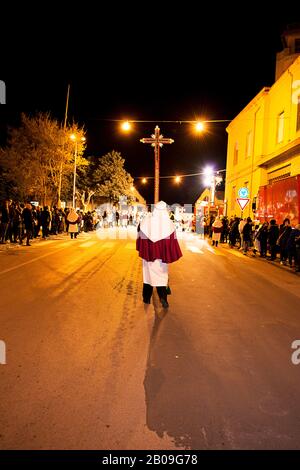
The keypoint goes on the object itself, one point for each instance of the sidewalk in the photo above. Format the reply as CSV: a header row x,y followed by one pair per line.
x,y
10,246
250,254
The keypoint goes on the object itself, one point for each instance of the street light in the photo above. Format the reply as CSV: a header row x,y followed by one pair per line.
x,y
211,180
199,126
126,126
75,139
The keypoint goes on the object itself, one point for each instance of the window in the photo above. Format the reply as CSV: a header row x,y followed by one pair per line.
x,y
298,115
280,127
236,153
249,142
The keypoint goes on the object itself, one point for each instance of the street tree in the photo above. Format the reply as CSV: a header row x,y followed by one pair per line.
x,y
111,179
104,176
39,156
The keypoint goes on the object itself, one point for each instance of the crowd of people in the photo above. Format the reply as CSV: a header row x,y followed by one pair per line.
x,y
265,239
23,222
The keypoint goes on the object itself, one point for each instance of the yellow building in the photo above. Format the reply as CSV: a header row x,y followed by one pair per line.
x,y
263,153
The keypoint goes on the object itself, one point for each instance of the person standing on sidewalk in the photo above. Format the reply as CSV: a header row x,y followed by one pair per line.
x,y
28,224
247,235
297,247
284,235
157,246
217,228
273,234
73,220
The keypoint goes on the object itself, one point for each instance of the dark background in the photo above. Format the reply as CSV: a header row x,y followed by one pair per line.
x,y
145,63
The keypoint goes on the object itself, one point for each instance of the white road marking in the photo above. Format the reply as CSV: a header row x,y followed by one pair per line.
x,y
30,261
194,249
108,244
87,244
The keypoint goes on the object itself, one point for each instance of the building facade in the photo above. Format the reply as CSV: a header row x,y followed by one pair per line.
x,y
209,205
263,153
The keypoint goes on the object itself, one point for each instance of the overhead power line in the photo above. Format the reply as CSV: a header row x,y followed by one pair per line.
x,y
178,175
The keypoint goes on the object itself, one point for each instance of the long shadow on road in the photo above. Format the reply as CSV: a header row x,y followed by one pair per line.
x,y
175,386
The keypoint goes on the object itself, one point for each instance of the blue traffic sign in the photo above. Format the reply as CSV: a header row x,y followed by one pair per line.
x,y
243,193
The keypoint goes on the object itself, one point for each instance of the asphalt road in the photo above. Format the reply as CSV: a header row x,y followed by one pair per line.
x,y
90,367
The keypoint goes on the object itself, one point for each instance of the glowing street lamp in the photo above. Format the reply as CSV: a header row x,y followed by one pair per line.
x,y
126,126
177,179
144,180
199,126
210,182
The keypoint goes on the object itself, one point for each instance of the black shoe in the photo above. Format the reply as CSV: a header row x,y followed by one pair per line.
x,y
164,303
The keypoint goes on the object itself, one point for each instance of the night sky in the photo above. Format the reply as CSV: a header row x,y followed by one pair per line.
x,y
176,64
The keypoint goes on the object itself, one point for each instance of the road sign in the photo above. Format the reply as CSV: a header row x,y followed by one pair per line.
x,y
243,193
242,202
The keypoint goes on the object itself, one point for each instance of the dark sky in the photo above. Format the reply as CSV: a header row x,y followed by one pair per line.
x,y
155,63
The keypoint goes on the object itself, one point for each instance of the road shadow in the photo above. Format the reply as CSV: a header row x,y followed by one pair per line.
x,y
177,384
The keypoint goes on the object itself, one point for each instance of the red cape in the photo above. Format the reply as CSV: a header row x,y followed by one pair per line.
x,y
168,249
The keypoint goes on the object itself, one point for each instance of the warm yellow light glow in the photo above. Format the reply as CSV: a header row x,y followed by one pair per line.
x,y
177,179
74,137
144,180
132,188
199,126
126,126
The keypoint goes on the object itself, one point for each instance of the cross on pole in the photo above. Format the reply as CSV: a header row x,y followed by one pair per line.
x,y
156,140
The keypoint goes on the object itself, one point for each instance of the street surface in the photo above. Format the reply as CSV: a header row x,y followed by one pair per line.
x,y
90,367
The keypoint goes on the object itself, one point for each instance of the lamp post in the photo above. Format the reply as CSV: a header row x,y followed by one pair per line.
x,y
209,181
75,139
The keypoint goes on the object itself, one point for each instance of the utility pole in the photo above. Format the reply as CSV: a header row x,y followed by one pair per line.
x,y
61,163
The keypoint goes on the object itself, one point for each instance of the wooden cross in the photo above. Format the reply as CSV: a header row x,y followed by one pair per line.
x,y
157,140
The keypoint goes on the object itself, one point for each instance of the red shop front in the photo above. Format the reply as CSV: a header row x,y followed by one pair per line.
x,y
279,200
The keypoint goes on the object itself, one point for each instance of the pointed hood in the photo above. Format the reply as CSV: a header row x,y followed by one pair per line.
x,y
158,225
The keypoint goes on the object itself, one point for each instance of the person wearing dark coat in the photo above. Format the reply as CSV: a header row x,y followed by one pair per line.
x,y
284,234
234,232
247,235
45,221
297,247
4,217
273,233
262,237
292,243
28,224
